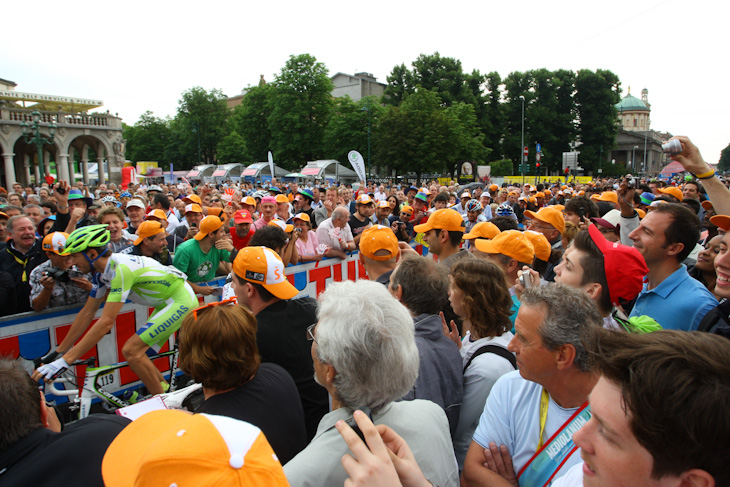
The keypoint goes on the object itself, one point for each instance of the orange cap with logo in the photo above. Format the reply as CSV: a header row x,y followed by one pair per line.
x,y
377,238
262,265
55,242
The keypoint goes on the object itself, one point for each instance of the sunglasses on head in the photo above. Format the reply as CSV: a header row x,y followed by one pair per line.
x,y
213,305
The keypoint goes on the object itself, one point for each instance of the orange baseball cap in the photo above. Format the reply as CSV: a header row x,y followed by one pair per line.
x,y
383,204
539,194
159,214
483,230
407,209
610,196
558,207
262,265
193,198
444,219
278,222
548,215
210,223
364,199
641,213
248,200
511,243
281,198
540,243
214,211
493,187
193,208
673,191
721,221
377,238
303,217
170,447
707,204
148,228
595,196
55,242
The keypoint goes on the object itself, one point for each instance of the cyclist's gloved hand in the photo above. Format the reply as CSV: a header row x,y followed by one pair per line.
x,y
46,359
54,369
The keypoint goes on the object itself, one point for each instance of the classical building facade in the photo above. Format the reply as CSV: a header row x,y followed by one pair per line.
x,y
637,146
75,133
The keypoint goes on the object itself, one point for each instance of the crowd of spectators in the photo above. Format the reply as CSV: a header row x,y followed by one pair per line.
x,y
563,334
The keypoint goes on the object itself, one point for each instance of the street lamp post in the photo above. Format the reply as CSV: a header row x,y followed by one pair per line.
x,y
633,159
367,109
522,159
196,130
32,135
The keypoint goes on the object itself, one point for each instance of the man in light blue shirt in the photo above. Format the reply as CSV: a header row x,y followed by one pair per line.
x,y
665,237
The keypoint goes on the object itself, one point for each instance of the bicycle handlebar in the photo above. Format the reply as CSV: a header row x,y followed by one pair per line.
x,y
61,392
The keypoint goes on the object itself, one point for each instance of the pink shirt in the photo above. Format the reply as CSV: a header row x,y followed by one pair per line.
x,y
308,248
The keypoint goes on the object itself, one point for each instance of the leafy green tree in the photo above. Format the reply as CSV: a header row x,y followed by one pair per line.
x,y
231,149
421,135
200,114
493,121
502,167
517,85
300,111
348,127
596,96
724,164
147,139
400,83
467,140
250,119
551,113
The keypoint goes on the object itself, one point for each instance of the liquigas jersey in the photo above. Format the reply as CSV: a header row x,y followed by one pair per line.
x,y
140,279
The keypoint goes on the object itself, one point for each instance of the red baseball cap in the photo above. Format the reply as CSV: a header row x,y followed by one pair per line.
x,y
242,216
624,266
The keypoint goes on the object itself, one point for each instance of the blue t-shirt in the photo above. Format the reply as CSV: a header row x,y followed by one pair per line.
x,y
678,303
511,417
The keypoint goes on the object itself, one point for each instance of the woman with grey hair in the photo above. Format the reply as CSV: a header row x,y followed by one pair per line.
x,y
365,355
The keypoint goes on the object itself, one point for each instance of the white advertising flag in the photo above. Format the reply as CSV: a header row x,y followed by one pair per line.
x,y
271,164
357,163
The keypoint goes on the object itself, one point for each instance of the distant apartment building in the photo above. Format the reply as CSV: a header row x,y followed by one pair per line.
x,y
356,86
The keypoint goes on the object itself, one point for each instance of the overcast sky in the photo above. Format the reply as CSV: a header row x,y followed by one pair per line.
x,y
138,56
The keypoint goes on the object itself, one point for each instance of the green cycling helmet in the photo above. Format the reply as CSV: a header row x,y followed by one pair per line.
x,y
92,236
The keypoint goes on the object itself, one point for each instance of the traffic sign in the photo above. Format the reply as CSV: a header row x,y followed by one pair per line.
x,y
538,156
527,151
539,148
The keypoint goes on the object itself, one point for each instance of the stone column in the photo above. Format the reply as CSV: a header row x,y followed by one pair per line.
x,y
9,171
47,164
62,167
26,166
37,168
85,168
100,162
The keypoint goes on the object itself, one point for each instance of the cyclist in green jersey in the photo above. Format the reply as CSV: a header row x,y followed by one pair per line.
x,y
119,277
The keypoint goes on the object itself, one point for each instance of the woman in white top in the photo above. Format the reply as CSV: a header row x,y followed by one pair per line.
x,y
478,294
